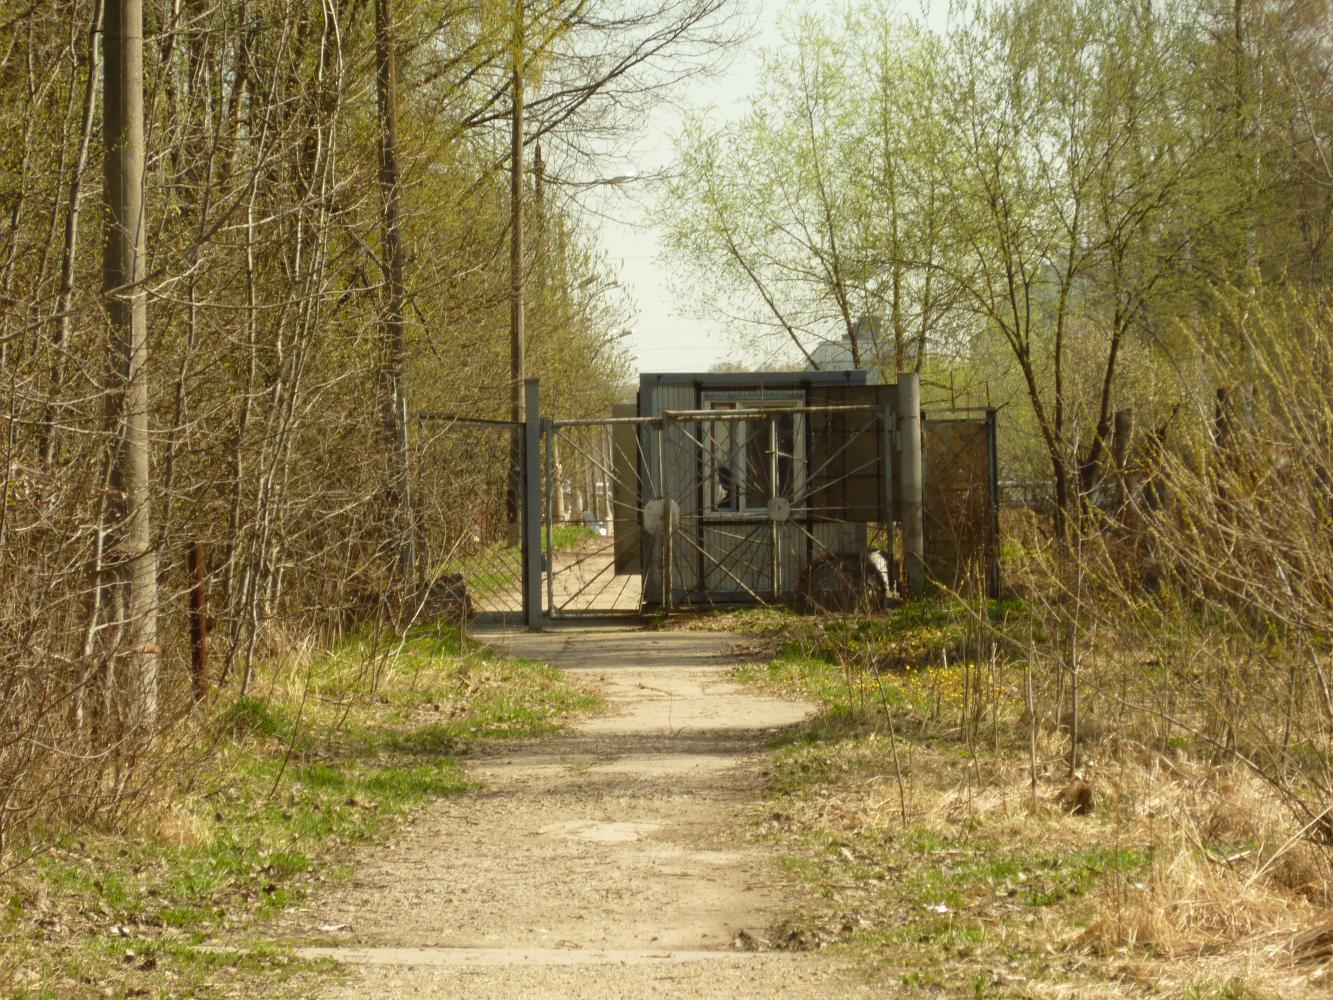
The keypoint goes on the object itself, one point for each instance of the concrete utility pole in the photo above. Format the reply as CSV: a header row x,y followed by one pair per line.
x,y
123,275
392,324
516,348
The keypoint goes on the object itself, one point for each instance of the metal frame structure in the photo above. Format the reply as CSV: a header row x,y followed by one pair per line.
x,y
619,515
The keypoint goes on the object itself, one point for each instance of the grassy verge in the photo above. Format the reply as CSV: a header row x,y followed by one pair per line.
x,y
322,758
920,832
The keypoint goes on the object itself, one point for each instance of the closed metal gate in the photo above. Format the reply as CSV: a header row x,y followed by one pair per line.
x,y
748,503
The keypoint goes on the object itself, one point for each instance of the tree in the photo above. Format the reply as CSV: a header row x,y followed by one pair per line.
x,y
824,204
393,391
1012,188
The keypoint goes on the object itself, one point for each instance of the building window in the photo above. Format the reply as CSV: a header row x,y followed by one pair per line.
x,y
743,456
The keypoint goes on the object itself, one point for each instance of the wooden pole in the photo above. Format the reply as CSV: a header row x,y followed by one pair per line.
x,y
392,324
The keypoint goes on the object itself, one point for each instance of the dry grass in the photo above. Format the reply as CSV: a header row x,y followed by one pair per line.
x,y
1185,880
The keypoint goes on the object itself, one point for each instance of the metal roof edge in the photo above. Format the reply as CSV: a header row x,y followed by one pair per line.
x,y
847,376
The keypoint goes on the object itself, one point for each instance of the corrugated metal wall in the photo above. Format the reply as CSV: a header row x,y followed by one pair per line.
x,y
840,493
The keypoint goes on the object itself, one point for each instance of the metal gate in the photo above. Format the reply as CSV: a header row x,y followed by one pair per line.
x,y
768,500
749,503
592,518
962,502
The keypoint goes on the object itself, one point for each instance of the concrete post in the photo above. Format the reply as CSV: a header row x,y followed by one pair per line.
x,y
532,507
910,481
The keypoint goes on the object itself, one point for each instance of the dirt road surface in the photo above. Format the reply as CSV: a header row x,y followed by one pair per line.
x,y
606,863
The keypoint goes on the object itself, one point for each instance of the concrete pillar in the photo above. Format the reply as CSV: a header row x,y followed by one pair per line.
x,y
910,497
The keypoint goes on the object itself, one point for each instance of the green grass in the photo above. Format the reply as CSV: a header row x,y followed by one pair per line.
x,y
572,536
912,659
934,904
314,762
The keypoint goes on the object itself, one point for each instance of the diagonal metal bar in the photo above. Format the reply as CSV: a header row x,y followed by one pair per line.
x,y
739,582
833,482
593,579
746,539
849,436
596,460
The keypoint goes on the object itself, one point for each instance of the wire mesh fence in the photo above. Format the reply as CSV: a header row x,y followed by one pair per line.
x,y
468,517
592,519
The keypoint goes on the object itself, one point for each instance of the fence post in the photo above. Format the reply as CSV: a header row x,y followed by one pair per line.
x,y
774,535
552,492
198,620
532,509
886,426
993,487
667,557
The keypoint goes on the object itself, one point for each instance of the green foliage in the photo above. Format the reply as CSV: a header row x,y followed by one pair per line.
x,y
1034,200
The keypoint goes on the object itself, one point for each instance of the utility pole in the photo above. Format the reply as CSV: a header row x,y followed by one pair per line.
x,y
393,388
517,370
123,275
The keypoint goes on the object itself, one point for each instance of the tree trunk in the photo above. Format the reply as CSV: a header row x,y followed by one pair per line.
x,y
65,297
123,273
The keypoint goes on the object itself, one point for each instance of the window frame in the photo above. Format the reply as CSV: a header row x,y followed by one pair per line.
x,y
740,442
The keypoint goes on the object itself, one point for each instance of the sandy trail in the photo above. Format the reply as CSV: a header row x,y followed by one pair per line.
x,y
606,863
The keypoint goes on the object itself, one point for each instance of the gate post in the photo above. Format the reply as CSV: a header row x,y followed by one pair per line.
x,y
668,584
910,482
532,509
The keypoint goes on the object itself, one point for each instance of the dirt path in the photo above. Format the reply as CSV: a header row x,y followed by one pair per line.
x,y
608,863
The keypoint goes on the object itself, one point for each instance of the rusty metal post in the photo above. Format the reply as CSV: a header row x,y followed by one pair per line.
x,y
774,535
198,621
887,427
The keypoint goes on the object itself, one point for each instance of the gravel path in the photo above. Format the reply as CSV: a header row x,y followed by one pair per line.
x,y
605,863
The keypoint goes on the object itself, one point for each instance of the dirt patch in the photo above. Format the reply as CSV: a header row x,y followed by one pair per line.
x,y
609,862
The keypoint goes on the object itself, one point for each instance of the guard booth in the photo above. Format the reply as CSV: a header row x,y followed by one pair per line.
x,y
779,486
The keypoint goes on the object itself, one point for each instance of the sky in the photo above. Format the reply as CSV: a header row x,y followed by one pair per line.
x,y
664,334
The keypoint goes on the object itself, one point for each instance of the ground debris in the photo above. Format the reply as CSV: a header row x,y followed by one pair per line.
x,y
746,941
1076,798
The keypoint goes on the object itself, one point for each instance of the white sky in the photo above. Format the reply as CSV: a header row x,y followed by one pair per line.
x,y
664,335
